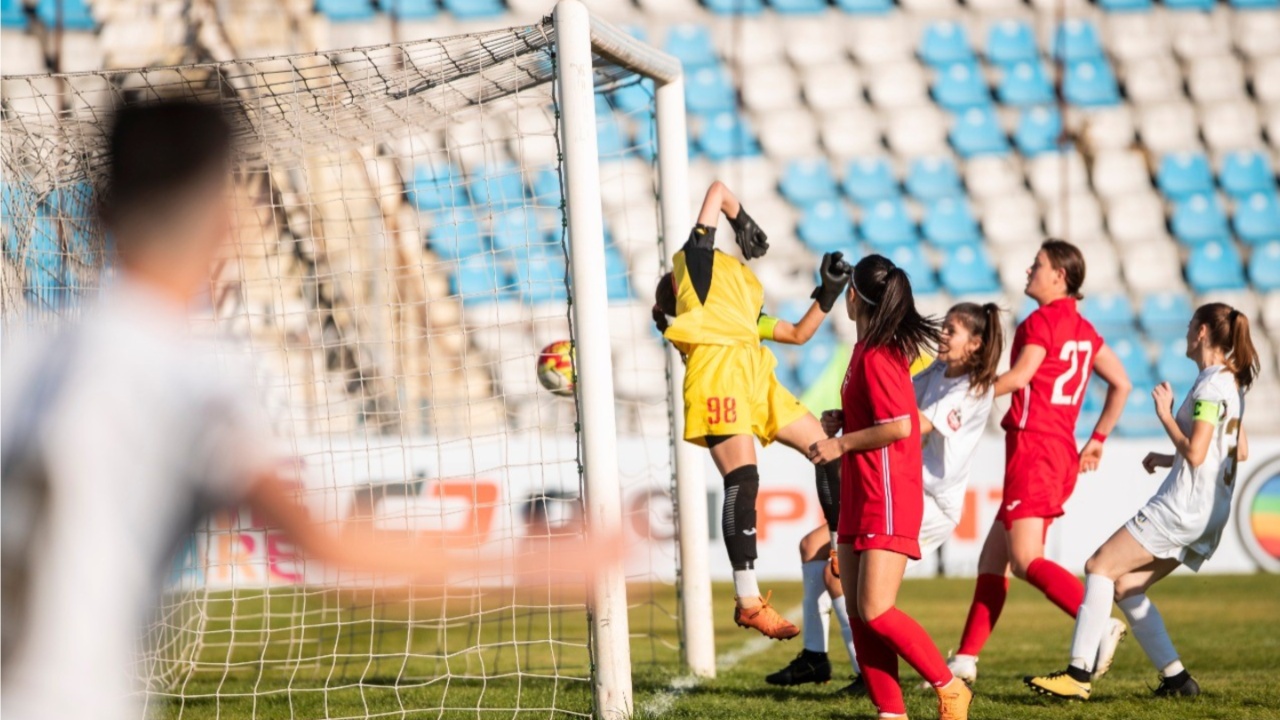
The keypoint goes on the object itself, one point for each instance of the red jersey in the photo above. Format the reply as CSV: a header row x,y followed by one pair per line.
x,y
882,490
1051,402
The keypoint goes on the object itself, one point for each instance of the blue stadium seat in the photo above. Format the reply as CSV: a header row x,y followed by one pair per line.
x,y
950,221
44,264
1110,313
499,186
735,7
411,9
12,15
436,186
798,7
1257,218
1134,358
515,228
865,7
968,270
455,234
827,226
75,14
1039,129
1174,367
1091,83
1199,218
71,201
931,178
1196,5
1027,307
1255,4
1011,41
869,179
945,42
709,90
1125,5
545,190
814,359
612,142
474,9
1025,83
1245,172
911,259
692,46
960,85
1215,265
886,223
1184,174
540,274
1264,267
1077,40
805,182
477,280
1164,315
634,97
726,135
1140,420
644,141
617,275
977,131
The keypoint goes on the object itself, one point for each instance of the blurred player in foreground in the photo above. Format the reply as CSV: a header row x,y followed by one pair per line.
x,y
121,433
1183,522
731,395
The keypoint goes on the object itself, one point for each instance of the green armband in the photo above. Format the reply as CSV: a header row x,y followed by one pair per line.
x,y
1207,411
765,326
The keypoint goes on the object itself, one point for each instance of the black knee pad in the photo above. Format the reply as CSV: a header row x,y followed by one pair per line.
x,y
827,477
738,517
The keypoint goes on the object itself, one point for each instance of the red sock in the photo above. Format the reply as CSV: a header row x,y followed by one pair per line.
x,y
988,601
1060,586
909,640
879,668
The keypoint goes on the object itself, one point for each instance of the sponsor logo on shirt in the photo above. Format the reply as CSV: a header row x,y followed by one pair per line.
x,y
953,419
1140,518
1012,505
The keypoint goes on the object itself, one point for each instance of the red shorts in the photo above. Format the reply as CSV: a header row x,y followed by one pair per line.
x,y
1040,473
908,546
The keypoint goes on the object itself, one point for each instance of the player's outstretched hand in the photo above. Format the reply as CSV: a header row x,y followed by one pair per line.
x,y
1155,460
835,274
1163,397
750,238
832,422
1090,456
825,451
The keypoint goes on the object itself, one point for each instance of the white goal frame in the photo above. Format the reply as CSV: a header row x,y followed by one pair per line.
x,y
579,37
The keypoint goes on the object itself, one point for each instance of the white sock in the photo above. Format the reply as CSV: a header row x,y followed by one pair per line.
x,y
745,585
846,631
1172,668
1091,620
1148,628
817,606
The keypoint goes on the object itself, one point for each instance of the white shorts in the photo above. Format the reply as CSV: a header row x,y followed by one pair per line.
x,y
1161,543
936,526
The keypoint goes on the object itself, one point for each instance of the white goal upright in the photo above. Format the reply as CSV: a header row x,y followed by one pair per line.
x,y
414,222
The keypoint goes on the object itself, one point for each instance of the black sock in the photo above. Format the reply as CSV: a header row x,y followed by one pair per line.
x,y
1077,674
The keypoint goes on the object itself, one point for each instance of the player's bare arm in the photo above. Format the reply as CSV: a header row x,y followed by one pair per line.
x,y
872,438
1194,448
720,199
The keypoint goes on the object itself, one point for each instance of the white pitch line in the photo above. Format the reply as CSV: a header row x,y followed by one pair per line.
x,y
661,704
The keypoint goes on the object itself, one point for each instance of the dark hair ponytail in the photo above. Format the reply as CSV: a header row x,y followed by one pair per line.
x,y
893,320
664,295
984,322
1228,330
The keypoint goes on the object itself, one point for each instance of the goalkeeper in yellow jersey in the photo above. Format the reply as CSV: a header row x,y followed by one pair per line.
x,y
730,391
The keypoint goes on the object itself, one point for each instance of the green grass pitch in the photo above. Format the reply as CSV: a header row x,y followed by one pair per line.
x,y
1224,626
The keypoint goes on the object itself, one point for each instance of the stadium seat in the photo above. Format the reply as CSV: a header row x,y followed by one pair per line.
x,y
617,274
75,14
1198,219
1169,127
727,135
1090,83
949,221
540,273
1215,79
1264,267
474,9
1046,171
917,131
709,90
977,132
911,259
789,134
1152,265
1174,367
1152,79
798,7
1215,265
827,226
477,280
735,7
875,41
1257,34
865,7
1120,172
612,142
1140,420
886,223
546,190
499,185
1164,315
1135,218
1076,41
1011,41
1246,172
1197,34
1125,5
515,228
436,186
991,177
1039,129
1196,5
12,15
411,9
931,178
1255,4
1024,83
869,179
851,132
455,234
1231,125
805,182
1135,36
814,359
1133,356
1184,174
1111,313
1257,218
968,270
897,85
634,97
960,85
1011,219
770,87
691,45
945,42
831,86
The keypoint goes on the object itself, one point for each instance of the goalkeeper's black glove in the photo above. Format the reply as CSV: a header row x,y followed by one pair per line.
x,y
660,319
750,237
835,274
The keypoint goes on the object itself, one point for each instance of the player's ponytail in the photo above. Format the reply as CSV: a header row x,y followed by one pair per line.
x,y
890,309
664,295
1228,330
983,322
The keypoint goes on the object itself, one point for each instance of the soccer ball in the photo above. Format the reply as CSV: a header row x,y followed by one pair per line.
x,y
555,368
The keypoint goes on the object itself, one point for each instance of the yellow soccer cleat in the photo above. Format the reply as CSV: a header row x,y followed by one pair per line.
x,y
954,700
1060,685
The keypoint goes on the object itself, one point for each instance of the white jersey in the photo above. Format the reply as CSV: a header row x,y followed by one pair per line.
x,y
959,418
120,432
1186,516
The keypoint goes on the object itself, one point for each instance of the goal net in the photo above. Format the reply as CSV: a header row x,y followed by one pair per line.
x,y
404,248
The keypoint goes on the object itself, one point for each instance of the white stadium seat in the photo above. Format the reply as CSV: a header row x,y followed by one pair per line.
x,y
1076,218
833,85
788,134
851,133
1135,35
752,178
990,176
1197,34
1169,127
1108,128
1215,78
917,131
1011,218
770,87
749,40
1152,265
1103,274
1231,126
898,85
1052,174
1119,172
812,39
1152,79
1013,262
1266,79
1271,312
1257,33
1133,219
881,39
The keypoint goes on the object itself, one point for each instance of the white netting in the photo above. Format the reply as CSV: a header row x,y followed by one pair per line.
x,y
399,260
